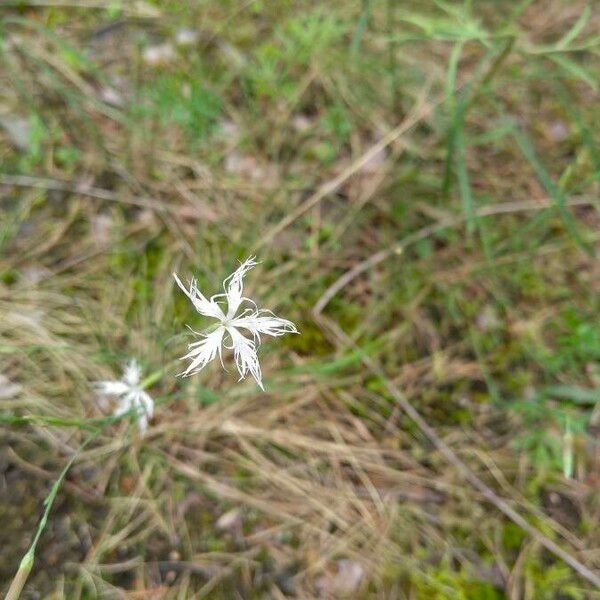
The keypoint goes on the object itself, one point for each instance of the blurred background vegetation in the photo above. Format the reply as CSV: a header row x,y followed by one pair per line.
x,y
442,157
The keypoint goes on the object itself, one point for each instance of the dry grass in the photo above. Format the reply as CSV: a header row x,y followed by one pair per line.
x,y
445,227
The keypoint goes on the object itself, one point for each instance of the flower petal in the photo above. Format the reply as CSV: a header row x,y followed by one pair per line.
x,y
112,388
206,307
131,374
146,403
246,359
144,409
203,352
143,422
234,286
140,403
264,321
126,403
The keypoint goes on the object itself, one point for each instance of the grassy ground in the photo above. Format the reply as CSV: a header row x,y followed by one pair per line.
x,y
441,157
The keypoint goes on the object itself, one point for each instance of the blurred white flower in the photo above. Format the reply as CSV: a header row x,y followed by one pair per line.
x,y
252,319
132,396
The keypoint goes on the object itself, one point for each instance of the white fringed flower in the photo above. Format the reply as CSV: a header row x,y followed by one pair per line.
x,y
132,396
252,319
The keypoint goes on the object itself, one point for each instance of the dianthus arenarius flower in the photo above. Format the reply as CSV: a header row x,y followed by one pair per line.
x,y
133,397
241,315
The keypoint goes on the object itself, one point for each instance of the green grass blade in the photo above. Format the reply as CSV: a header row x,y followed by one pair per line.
x,y
550,186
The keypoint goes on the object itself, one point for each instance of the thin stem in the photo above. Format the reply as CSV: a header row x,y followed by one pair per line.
x,y
153,377
20,578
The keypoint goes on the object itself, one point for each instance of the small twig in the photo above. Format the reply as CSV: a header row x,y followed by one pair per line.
x,y
491,496
428,231
43,183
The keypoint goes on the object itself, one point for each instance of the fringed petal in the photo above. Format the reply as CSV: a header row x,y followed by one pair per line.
x,y
234,286
264,322
206,307
246,359
203,352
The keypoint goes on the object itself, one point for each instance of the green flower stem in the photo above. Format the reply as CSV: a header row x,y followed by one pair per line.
x,y
20,578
